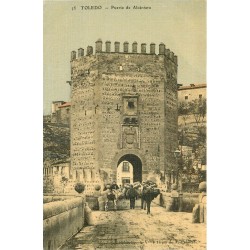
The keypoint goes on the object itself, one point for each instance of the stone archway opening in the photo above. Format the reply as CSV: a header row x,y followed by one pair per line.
x,y
129,169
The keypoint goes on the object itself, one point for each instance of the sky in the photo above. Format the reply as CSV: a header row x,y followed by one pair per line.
x,y
179,24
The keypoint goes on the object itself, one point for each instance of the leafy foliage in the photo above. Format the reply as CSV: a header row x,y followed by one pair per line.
x,y
56,142
195,107
192,133
79,187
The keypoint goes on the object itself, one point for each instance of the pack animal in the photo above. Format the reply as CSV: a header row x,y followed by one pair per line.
x,y
112,193
148,194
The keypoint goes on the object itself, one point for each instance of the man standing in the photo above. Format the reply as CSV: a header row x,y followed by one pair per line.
x,y
143,200
114,186
114,189
132,194
148,196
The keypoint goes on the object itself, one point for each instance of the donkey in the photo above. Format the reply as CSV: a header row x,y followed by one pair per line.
x,y
148,194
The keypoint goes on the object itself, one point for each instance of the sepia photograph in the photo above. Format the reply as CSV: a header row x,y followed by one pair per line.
x,y
124,125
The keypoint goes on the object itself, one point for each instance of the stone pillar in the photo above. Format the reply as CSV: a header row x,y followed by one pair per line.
x,y
152,48
171,56
73,55
203,201
117,46
80,176
134,47
143,48
175,60
174,198
89,50
196,214
93,175
76,175
200,210
108,46
162,49
167,52
168,182
98,46
80,52
125,47
87,174
180,201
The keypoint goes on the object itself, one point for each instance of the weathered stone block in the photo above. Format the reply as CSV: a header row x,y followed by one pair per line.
x,y
61,222
92,202
196,214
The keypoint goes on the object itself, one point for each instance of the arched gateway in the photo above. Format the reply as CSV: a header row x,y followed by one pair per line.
x,y
137,162
129,169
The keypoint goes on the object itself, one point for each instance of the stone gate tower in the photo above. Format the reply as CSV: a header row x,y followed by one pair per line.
x,y
123,109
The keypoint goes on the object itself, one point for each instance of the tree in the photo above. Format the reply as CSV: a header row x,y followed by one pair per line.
x,y
198,109
193,133
183,110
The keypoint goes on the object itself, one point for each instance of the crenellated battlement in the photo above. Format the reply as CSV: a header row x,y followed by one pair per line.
x,y
125,49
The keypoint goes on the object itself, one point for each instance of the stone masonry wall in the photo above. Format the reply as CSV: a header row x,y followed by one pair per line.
x,y
171,115
83,117
133,75
65,115
109,90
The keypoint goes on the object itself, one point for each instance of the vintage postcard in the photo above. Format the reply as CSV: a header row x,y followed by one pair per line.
x,y
124,124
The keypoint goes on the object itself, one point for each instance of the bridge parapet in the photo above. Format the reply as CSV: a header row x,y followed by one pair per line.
x,y
61,220
188,201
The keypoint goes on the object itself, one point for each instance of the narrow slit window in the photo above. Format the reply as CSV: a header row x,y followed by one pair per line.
x,y
131,105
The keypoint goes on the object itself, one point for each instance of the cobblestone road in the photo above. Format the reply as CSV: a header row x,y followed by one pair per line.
x,y
134,229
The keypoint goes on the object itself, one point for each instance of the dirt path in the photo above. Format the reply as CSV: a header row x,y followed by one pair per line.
x,y
134,229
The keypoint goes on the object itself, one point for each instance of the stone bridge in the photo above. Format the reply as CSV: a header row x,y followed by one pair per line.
x,y
64,226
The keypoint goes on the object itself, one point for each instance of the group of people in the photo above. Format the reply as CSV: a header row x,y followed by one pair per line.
x,y
145,191
112,194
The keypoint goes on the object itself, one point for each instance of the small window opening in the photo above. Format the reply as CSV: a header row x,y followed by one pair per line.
x,y
131,105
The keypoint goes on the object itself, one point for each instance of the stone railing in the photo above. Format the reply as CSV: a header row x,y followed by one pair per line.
x,y
61,220
200,209
188,201
56,197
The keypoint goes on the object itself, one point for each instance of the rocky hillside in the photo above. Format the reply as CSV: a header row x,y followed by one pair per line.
x,y
56,143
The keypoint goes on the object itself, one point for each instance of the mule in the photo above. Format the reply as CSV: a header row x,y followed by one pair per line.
x,y
148,194
112,195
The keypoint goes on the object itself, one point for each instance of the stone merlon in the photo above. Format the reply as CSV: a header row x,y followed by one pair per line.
x,y
134,49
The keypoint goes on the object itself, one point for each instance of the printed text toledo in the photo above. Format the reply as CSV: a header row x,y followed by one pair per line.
x,y
112,7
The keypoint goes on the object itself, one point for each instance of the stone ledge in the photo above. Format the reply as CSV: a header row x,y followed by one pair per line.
x,y
188,201
54,208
